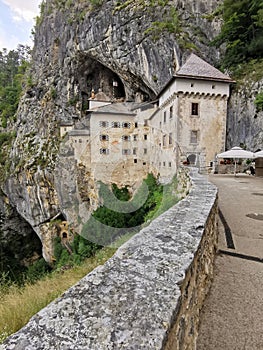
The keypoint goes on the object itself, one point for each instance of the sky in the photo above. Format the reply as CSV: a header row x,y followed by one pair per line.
x,y
17,19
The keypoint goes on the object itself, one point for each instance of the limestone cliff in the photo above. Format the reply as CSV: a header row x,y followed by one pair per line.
x,y
245,123
80,45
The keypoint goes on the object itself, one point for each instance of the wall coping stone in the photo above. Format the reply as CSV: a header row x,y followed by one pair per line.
x,y
130,302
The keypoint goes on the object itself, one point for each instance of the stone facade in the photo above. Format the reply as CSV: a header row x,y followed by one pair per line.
x,y
147,296
125,141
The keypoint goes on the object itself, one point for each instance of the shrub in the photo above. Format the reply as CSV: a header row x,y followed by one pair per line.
x,y
259,101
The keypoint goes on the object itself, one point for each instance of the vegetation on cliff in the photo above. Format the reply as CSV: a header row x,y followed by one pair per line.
x,y
13,65
241,32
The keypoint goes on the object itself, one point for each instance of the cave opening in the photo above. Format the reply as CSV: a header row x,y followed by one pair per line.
x,y
94,76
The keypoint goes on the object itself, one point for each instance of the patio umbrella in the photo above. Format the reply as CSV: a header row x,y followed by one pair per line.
x,y
236,153
258,154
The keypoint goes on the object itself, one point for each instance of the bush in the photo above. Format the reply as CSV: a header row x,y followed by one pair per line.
x,y
259,101
37,271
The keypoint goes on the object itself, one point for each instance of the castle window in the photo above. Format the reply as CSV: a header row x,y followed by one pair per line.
x,y
135,161
80,140
104,137
164,116
194,110
194,136
115,124
135,137
213,86
126,138
103,124
126,125
144,163
145,151
170,164
126,152
136,125
104,151
163,163
164,140
134,151
192,84
170,138
171,112
145,137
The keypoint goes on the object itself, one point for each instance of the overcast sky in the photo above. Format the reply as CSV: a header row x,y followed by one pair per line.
x,y
17,21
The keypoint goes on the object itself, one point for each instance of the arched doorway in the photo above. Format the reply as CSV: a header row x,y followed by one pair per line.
x,y
192,159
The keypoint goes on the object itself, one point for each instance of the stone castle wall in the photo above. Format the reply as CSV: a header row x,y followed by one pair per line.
x,y
147,296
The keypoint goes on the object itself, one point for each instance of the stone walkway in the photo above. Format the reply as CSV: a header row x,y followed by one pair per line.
x,y
232,317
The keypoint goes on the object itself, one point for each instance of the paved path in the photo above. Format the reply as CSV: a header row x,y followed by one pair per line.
x,y
232,317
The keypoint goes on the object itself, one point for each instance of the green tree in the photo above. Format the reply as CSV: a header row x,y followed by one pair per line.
x,y
242,31
13,65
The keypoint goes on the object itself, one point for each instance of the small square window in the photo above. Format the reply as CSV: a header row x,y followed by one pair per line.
x,y
126,138
126,125
104,124
104,151
135,161
144,163
104,137
136,125
115,124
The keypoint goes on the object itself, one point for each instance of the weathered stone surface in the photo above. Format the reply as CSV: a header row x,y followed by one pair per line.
x,y
147,296
244,123
18,242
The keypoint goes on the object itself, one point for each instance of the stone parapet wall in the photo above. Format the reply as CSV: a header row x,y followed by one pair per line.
x,y
147,296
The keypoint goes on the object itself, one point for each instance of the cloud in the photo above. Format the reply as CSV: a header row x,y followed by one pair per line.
x,y
23,10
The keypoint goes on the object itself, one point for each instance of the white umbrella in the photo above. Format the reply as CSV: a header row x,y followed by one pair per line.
x,y
259,154
236,153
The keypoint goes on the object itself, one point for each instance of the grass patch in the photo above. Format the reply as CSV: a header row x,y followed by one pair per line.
x,y
19,304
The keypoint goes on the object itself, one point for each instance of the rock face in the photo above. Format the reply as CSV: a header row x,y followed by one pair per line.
x,y
245,123
18,241
80,45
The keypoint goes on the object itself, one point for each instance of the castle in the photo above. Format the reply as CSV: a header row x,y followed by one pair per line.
x,y
121,142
